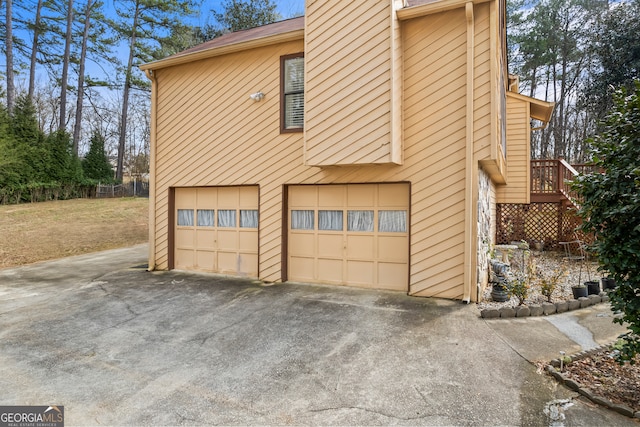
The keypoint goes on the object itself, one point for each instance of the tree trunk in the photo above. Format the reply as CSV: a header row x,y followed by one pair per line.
x,y
11,91
34,50
65,67
125,96
83,54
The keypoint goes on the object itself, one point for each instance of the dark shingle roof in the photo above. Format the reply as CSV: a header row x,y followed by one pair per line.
x,y
280,27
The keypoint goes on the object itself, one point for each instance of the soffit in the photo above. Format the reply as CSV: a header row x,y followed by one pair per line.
x,y
539,109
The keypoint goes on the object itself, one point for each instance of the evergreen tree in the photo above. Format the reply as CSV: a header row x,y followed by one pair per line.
x,y
615,45
95,164
11,166
28,140
239,15
63,166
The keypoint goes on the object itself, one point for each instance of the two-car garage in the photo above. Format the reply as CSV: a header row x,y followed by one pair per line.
x,y
347,234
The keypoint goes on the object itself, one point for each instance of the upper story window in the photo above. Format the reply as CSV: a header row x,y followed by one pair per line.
x,y
292,93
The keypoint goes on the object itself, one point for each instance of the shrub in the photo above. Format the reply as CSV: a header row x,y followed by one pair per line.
x,y
610,209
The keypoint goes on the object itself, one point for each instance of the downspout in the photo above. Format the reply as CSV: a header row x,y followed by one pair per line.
x,y
152,171
469,161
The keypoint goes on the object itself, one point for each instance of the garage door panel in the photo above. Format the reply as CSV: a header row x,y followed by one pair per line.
x,y
208,235
302,268
393,248
184,258
248,197
206,198
227,240
185,197
361,195
391,195
330,270
302,244
331,195
330,245
248,241
185,238
393,276
205,239
228,262
361,246
228,197
343,241
206,260
301,196
248,265
361,272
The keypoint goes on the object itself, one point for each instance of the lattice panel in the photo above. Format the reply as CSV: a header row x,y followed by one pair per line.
x,y
542,222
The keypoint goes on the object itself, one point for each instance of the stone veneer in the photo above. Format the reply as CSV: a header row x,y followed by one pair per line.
x,y
484,229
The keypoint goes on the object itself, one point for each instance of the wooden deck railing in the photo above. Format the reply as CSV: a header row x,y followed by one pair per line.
x,y
550,181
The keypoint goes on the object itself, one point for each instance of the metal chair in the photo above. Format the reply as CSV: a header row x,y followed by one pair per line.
x,y
576,250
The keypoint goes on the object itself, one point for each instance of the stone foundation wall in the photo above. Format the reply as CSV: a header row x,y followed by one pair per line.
x,y
485,220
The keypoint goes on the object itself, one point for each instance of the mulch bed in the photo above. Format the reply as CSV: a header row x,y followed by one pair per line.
x,y
603,376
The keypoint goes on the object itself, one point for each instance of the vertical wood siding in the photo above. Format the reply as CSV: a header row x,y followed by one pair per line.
x,y
518,154
209,133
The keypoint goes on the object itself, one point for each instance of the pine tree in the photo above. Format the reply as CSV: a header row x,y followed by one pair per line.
x,y
95,164
11,166
243,14
63,166
28,140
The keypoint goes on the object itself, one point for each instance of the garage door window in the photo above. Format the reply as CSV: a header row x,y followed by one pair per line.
x,y
205,217
226,218
330,220
248,218
302,220
392,221
185,217
360,220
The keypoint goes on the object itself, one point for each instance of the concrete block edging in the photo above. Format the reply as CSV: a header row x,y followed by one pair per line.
x,y
544,309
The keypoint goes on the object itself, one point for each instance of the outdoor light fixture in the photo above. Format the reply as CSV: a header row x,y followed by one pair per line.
x,y
258,96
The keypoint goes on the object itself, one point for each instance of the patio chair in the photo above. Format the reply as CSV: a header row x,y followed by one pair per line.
x,y
576,250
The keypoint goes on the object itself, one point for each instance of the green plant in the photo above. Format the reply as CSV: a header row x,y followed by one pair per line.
x,y
610,210
519,288
549,282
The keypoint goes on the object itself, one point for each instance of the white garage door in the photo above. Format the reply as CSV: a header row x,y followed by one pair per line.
x,y
349,235
216,230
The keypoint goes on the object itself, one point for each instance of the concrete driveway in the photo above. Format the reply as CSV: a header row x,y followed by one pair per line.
x,y
117,345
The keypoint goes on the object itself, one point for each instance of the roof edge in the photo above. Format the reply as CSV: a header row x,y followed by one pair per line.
x,y
433,7
541,110
184,58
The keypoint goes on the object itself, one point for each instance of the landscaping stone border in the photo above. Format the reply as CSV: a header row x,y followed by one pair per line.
x,y
544,309
553,369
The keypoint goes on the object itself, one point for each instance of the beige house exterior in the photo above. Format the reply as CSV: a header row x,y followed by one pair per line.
x,y
385,177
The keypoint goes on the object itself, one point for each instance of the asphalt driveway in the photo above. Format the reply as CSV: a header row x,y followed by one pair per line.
x,y
117,345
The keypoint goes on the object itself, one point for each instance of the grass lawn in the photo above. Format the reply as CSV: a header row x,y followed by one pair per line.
x,y
41,231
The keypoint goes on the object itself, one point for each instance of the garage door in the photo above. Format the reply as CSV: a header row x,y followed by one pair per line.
x,y
349,235
216,230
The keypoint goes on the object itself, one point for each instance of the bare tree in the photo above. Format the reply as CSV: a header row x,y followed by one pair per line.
x,y
65,66
11,91
34,49
83,56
